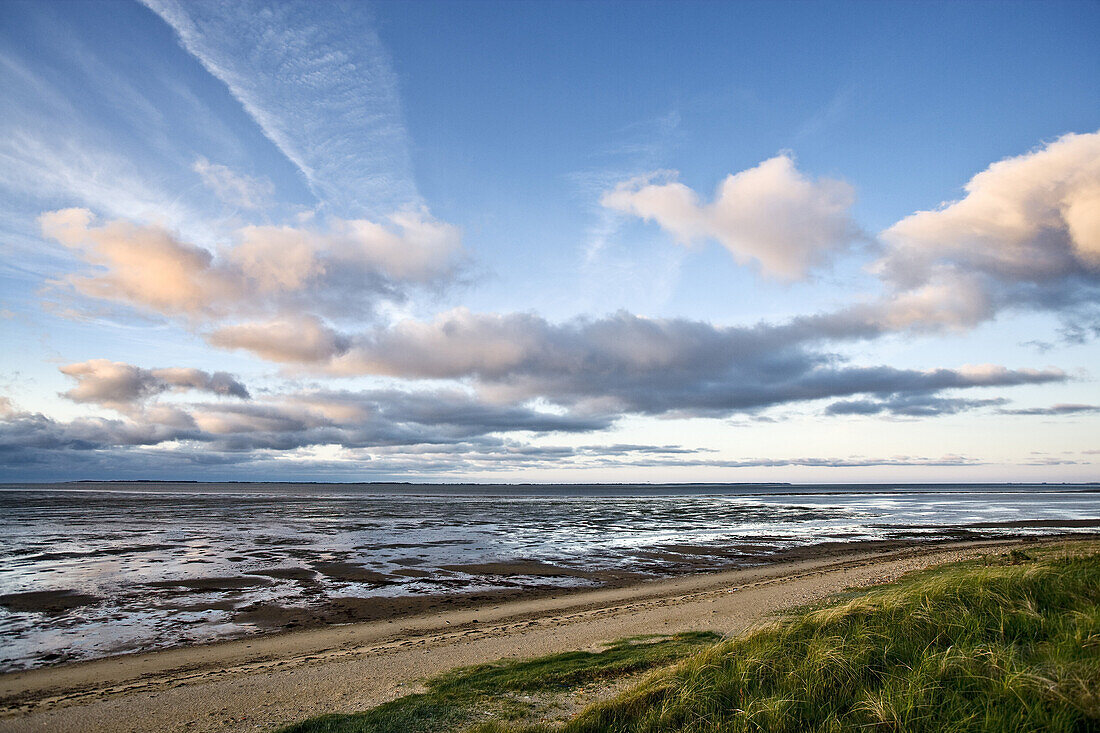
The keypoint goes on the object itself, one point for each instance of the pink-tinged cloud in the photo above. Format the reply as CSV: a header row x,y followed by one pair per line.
x,y
144,266
457,343
771,215
292,340
277,259
350,264
1026,235
1030,217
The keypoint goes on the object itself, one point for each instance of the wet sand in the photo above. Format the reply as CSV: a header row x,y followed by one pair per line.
x,y
510,580
262,682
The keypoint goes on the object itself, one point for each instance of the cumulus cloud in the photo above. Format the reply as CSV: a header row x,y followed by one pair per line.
x,y
233,188
120,386
24,436
277,291
1027,233
771,215
373,419
413,248
417,248
350,264
1030,217
456,421
144,266
277,258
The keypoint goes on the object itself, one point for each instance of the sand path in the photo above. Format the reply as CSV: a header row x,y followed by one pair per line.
x,y
263,682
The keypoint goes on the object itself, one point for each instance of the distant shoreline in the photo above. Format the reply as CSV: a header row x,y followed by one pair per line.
x,y
429,488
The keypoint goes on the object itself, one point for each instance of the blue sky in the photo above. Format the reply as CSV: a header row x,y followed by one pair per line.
x,y
586,241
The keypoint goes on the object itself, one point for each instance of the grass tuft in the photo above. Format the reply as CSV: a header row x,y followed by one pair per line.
x,y
1001,644
509,689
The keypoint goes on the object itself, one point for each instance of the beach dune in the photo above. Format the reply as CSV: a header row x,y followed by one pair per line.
x,y
259,683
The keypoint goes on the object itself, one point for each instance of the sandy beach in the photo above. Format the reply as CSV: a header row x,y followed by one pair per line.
x,y
263,682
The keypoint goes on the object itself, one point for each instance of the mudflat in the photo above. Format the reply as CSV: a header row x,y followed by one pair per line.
x,y
199,563
263,682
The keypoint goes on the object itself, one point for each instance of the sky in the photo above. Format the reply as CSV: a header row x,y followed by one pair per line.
x,y
550,241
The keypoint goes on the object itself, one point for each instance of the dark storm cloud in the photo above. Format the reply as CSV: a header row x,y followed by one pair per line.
x,y
372,419
119,385
368,419
25,430
628,364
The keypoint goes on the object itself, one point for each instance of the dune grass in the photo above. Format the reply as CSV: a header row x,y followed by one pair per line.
x,y
509,689
1005,643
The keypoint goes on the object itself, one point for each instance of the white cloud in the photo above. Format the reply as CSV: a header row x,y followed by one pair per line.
x,y
771,215
415,247
1025,235
278,258
948,299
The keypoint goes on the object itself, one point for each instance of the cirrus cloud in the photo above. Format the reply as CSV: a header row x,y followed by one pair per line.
x,y
233,188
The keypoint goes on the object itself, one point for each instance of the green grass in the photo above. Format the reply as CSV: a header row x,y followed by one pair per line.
x,y
1007,643
1004,644
509,689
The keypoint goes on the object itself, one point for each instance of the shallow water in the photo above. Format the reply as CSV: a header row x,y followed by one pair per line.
x,y
153,565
